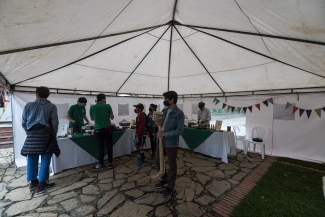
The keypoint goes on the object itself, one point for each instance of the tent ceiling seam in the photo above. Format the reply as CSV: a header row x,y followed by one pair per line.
x,y
254,27
170,54
199,61
101,68
156,76
175,39
174,10
105,29
245,67
253,34
86,56
78,41
142,60
245,48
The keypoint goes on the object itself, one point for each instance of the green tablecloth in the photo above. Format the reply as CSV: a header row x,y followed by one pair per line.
x,y
195,137
89,143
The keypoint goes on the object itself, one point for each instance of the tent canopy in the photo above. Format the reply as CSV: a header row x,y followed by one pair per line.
x,y
151,46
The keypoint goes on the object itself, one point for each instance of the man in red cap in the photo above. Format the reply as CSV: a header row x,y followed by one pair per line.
x,y
140,136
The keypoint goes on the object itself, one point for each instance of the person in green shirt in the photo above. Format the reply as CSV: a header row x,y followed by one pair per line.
x,y
102,114
77,114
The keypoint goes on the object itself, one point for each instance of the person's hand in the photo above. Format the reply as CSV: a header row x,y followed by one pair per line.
x,y
158,123
161,133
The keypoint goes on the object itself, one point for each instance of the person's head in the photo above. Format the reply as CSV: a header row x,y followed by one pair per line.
x,y
82,101
138,108
101,97
170,98
152,107
201,105
42,92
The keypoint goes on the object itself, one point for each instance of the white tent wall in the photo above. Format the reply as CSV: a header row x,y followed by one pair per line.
x,y
20,100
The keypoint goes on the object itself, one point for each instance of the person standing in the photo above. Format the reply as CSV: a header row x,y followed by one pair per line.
x,y
102,114
140,136
152,133
172,126
40,121
203,115
77,114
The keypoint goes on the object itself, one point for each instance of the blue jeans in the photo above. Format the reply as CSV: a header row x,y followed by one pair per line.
x,y
32,167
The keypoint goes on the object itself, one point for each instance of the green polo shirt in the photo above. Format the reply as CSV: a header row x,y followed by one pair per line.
x,y
77,113
101,112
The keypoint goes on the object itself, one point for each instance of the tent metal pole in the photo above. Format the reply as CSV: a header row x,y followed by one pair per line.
x,y
86,56
174,10
255,34
77,41
142,60
222,39
170,54
199,61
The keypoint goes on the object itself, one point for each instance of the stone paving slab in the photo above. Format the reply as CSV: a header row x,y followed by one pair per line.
x,y
125,190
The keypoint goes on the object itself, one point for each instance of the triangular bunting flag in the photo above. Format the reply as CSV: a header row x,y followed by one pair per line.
x,y
266,103
250,108
271,101
245,108
301,111
294,109
319,112
258,106
308,113
229,107
216,101
224,105
323,109
238,109
232,109
288,105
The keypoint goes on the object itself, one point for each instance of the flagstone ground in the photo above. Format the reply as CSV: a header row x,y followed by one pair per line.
x,y
124,191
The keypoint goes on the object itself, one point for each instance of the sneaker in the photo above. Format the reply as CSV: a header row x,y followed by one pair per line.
x,y
167,192
139,159
153,156
161,184
154,165
141,164
33,185
98,167
43,186
111,165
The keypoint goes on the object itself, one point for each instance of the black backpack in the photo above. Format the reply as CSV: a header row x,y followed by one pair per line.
x,y
147,126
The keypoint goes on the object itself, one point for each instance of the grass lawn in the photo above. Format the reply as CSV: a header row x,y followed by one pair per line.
x,y
285,191
303,163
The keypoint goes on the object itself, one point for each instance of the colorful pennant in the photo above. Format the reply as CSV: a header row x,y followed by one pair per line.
x,y
229,107
245,108
319,112
224,105
308,113
232,109
288,105
216,101
323,109
301,111
294,109
250,108
258,106
266,103
238,109
271,101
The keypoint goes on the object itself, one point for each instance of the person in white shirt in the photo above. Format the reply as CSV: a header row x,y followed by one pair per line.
x,y
203,115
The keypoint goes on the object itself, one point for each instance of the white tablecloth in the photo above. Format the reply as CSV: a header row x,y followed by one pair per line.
x,y
73,156
218,145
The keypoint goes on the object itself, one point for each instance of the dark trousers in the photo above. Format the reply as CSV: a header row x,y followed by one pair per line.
x,y
153,143
171,175
104,136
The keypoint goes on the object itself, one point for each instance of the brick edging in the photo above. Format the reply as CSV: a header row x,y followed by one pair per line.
x,y
232,199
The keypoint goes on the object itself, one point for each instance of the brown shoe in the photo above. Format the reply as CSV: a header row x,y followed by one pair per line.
x,y
33,184
43,186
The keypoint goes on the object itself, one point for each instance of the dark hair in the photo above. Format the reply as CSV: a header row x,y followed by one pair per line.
x,y
100,97
171,95
201,104
153,106
82,100
43,92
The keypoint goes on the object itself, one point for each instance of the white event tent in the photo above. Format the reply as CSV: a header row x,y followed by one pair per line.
x,y
241,51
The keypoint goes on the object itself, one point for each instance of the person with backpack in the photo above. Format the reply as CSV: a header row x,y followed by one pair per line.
x,y
152,132
140,136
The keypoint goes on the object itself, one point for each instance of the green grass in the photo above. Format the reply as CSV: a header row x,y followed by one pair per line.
x,y
303,163
285,191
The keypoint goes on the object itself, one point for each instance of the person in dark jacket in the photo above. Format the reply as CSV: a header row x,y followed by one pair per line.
x,y
152,132
140,136
40,121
